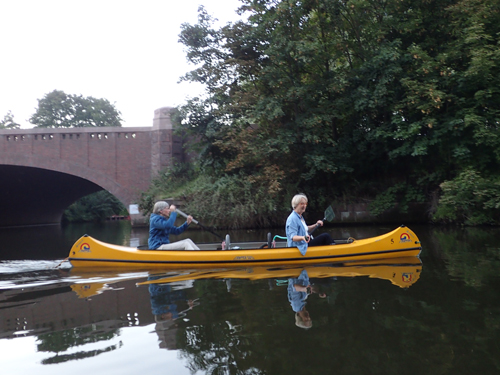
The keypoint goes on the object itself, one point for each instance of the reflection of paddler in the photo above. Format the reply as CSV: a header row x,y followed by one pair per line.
x,y
298,290
164,301
164,306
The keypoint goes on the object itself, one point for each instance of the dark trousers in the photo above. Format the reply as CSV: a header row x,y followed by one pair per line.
x,y
321,240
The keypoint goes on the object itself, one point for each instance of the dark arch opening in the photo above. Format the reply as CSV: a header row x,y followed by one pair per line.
x,y
36,196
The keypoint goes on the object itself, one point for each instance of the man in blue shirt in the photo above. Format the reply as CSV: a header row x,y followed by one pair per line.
x,y
161,225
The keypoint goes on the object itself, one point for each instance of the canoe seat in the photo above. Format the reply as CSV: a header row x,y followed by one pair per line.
x,y
271,241
226,244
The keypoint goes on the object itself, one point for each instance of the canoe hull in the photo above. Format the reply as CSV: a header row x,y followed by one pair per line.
x,y
89,252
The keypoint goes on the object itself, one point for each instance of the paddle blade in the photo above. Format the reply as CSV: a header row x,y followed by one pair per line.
x,y
329,214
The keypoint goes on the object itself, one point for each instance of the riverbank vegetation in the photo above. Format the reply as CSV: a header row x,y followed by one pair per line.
x,y
391,102
96,207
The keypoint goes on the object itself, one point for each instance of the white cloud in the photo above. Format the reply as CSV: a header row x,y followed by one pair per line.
x,y
126,52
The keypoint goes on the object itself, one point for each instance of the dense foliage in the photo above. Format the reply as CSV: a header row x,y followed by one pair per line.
x,y
347,99
94,207
471,199
60,110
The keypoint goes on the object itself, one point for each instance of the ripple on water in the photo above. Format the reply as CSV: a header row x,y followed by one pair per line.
x,y
16,266
25,273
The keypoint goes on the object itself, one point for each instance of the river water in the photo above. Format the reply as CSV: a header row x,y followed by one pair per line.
x,y
436,315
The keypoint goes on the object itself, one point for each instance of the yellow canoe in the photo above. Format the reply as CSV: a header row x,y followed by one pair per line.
x,y
89,252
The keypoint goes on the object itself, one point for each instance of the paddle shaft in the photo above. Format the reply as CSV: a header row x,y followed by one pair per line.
x,y
329,215
198,223
185,215
316,227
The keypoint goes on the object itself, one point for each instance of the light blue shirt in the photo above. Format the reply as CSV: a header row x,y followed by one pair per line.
x,y
298,299
294,227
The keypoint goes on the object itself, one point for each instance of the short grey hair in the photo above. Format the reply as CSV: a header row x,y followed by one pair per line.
x,y
297,199
159,206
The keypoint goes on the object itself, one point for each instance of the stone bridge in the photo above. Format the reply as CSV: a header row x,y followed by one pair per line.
x,y
43,170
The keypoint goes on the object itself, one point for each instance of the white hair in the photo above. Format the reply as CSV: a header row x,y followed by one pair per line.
x,y
297,199
299,322
159,206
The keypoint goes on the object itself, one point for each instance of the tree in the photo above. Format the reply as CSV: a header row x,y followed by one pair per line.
x,y
60,110
8,122
94,207
353,99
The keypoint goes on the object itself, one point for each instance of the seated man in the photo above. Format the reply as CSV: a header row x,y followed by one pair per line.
x,y
161,224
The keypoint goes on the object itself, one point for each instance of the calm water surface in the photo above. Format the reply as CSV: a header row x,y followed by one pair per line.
x,y
437,316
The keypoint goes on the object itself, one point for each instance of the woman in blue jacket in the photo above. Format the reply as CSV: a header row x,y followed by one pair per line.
x,y
297,231
161,225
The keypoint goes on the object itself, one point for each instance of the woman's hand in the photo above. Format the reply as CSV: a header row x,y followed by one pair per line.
x,y
189,219
172,208
319,223
301,288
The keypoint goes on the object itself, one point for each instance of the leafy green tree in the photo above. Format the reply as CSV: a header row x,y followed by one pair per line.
x,y
60,110
8,122
349,99
94,207
470,199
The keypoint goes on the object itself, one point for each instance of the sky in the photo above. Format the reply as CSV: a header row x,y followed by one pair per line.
x,y
124,51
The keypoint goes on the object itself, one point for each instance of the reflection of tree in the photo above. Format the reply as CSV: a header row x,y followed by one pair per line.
x,y
217,349
464,298
368,328
472,254
215,343
80,355
58,342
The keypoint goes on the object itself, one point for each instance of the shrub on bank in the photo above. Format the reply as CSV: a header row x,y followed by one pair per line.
x,y
470,199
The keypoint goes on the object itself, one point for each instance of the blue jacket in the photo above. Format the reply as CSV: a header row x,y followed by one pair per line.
x,y
160,228
164,299
294,227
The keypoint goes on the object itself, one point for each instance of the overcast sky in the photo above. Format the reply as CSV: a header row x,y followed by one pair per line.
x,y
124,51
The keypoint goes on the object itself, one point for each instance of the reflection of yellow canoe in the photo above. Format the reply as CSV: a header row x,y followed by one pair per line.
x,y
89,289
402,272
89,252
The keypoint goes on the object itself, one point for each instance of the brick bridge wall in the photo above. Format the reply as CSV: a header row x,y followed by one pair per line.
x,y
35,162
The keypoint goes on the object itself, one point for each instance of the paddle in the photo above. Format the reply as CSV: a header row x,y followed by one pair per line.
x,y
198,223
329,216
